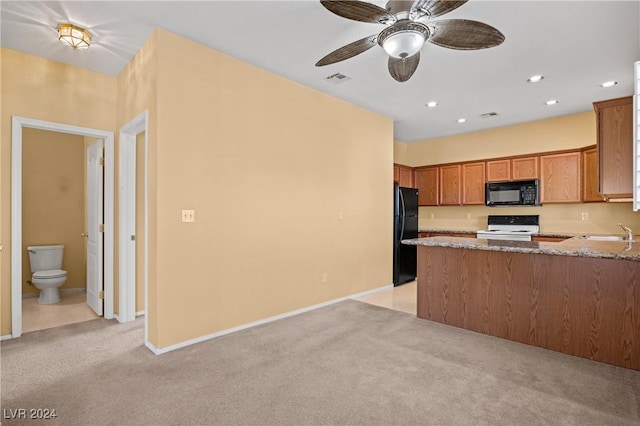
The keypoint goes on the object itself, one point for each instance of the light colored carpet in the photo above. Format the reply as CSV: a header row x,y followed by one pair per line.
x,y
349,363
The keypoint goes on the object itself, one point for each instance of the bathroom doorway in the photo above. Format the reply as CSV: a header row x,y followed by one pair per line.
x,y
22,125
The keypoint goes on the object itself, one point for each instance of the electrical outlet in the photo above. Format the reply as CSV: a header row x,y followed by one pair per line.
x,y
468,216
432,216
325,277
585,216
188,215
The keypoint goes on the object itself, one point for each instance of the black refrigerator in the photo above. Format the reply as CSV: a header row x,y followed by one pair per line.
x,y
405,226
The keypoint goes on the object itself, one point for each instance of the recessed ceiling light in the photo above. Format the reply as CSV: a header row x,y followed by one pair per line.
x,y
609,83
432,104
535,78
551,102
461,120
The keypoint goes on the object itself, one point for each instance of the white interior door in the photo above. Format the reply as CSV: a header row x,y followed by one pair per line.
x,y
94,220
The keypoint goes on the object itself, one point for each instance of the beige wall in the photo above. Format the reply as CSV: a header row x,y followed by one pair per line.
x,y
53,201
566,132
400,153
37,88
268,165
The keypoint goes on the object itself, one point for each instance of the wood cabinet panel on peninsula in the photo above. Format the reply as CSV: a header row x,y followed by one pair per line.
x,y
428,184
560,180
615,146
587,307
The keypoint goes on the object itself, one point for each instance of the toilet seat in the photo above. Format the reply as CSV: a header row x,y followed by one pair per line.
x,y
54,273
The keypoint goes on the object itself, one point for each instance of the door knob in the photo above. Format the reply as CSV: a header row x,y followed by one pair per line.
x,y
84,235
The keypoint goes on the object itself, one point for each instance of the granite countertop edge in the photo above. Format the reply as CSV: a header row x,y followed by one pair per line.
x,y
576,247
473,231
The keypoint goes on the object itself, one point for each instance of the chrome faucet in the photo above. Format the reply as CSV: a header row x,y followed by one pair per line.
x,y
627,230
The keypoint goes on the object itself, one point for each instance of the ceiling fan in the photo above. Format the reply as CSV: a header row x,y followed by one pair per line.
x,y
409,26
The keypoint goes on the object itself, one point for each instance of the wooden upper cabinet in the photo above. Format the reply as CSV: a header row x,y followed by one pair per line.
x,y
560,181
524,168
427,182
450,185
590,176
473,180
498,170
615,146
403,175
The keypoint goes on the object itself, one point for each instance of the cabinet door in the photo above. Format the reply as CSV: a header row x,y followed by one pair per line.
x,y
560,182
498,170
524,168
615,146
405,177
450,185
396,173
473,183
590,176
427,179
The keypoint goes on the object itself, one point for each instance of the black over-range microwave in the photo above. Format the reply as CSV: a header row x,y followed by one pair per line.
x,y
512,193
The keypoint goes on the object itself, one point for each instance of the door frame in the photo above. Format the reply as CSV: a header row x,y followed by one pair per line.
x,y
127,220
17,124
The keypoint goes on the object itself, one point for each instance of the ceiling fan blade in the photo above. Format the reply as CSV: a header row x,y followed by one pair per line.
x,y
402,69
425,9
359,11
462,34
348,51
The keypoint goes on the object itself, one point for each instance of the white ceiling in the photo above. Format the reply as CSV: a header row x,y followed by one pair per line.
x,y
576,45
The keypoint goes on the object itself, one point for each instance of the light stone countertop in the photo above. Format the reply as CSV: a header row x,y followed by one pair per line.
x,y
575,246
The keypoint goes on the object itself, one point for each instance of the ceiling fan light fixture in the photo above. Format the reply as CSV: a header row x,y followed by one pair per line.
x,y
404,39
74,36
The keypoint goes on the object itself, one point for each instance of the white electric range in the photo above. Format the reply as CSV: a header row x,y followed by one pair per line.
x,y
513,228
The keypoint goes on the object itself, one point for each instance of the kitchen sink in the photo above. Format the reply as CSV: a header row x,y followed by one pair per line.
x,y
604,237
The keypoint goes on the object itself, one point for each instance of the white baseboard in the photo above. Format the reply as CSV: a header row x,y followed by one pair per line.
x,y
62,290
139,313
160,351
5,337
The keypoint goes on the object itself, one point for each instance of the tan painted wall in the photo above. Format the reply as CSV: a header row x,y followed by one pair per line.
x,y
268,165
400,153
53,201
39,88
566,132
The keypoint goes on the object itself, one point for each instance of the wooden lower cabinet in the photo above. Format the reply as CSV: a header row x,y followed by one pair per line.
x,y
540,239
560,180
427,181
450,185
473,183
580,306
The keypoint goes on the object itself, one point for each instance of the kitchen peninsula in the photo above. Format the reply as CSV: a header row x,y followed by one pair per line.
x,y
578,296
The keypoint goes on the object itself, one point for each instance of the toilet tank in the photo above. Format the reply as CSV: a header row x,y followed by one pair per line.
x,y
45,258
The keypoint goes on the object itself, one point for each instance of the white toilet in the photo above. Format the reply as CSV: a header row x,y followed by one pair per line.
x,y
47,273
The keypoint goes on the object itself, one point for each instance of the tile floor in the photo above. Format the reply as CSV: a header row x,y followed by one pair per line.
x,y
401,298
71,309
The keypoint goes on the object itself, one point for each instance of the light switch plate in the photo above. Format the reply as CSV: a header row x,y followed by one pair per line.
x,y
188,215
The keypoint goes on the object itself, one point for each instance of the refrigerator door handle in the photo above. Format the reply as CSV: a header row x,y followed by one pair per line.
x,y
402,214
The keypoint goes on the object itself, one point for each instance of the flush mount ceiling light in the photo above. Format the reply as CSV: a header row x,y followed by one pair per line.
x,y
609,83
74,36
535,78
461,120
551,102
432,104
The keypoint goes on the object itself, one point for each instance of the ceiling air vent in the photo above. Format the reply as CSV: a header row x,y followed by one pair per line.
x,y
337,78
488,114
